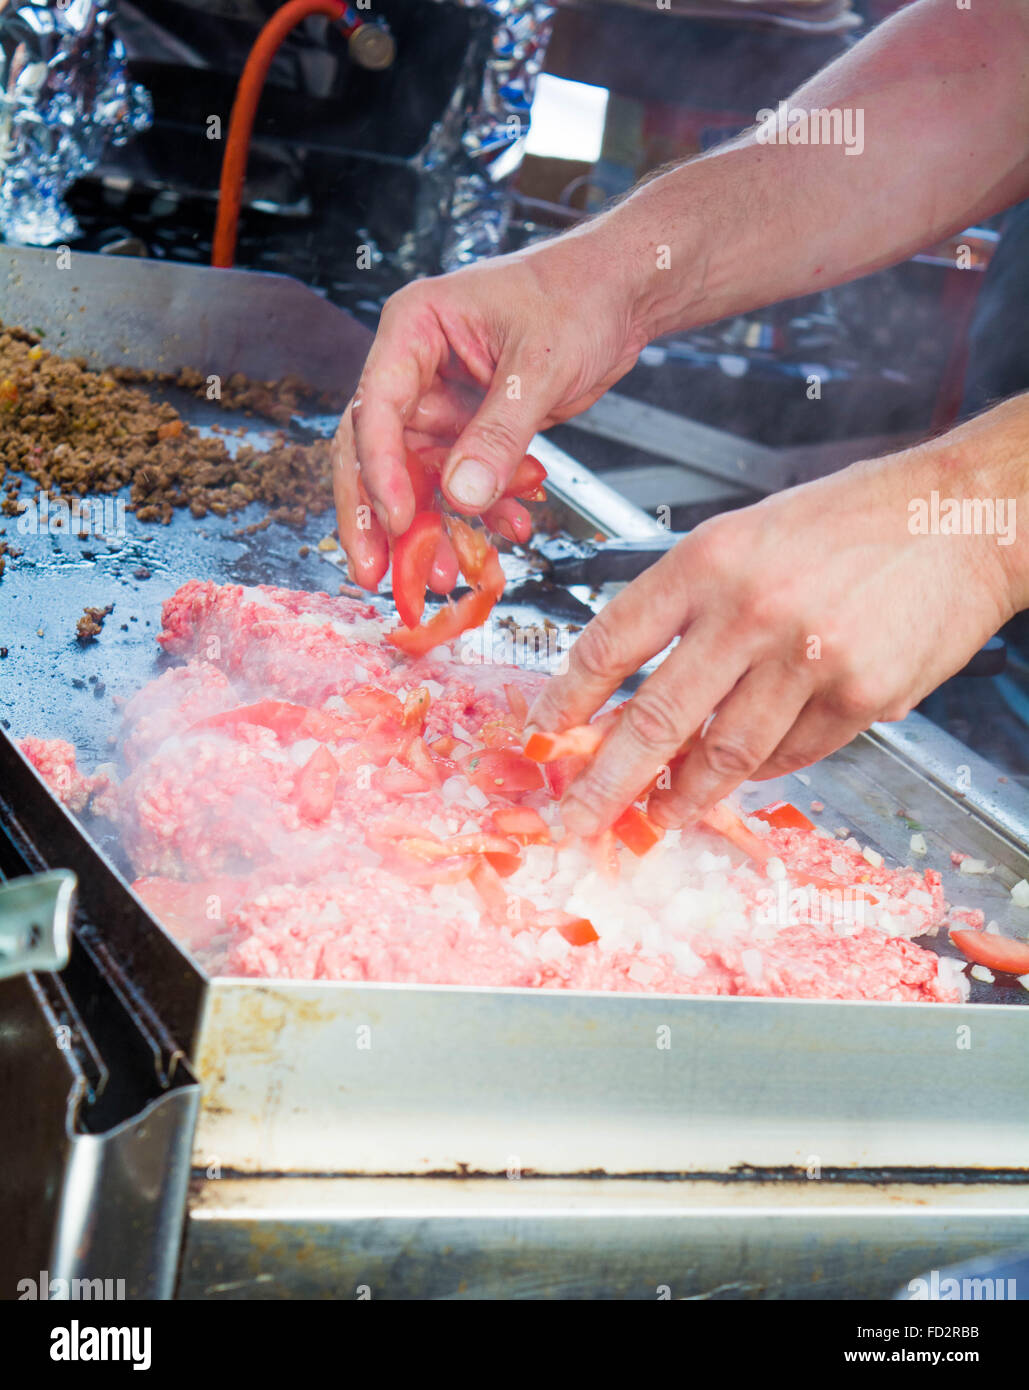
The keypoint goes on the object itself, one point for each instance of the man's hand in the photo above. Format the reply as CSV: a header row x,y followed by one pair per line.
x,y
473,364
801,621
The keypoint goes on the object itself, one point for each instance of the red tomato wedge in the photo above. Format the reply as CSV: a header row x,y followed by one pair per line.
x,y
528,479
455,846
413,554
582,741
470,546
637,831
315,786
523,824
423,481
369,702
505,770
578,931
729,824
995,952
781,815
417,757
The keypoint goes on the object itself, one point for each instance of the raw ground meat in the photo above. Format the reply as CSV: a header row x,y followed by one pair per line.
x,y
262,869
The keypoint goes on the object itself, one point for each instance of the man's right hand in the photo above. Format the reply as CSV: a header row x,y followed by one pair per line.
x,y
473,364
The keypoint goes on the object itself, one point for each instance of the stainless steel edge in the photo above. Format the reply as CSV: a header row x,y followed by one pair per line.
x,y
590,497
122,1205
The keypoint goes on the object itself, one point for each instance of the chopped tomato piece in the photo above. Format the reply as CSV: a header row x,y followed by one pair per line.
x,y
527,482
637,831
497,735
490,889
781,815
443,747
1001,953
582,741
729,824
369,702
578,931
455,846
417,757
413,554
523,824
384,738
505,770
315,786
562,773
287,721
444,871
505,864
416,707
471,547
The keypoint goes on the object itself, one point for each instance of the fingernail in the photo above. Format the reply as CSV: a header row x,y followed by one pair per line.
x,y
579,818
507,531
472,484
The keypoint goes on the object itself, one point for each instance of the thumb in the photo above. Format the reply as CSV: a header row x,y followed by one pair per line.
x,y
493,443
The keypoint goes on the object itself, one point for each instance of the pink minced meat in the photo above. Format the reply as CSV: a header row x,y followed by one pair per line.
x,y
257,879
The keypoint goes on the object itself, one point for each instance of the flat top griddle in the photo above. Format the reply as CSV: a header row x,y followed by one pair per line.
x,y
282,1088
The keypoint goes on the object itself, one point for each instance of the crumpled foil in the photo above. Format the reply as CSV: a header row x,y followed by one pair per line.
x,y
478,144
64,96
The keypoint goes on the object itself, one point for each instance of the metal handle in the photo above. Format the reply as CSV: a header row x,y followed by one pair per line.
x,y
35,922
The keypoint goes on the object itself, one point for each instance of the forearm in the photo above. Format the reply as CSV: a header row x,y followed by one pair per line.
x,y
944,94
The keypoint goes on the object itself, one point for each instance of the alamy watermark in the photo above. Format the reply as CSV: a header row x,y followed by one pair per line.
x,y
543,648
93,516
963,516
45,1289
794,125
780,905
950,1288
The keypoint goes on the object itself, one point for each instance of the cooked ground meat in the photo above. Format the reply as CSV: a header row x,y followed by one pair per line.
x,y
90,625
74,430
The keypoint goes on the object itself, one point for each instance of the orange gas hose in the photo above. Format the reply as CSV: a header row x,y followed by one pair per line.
x,y
244,108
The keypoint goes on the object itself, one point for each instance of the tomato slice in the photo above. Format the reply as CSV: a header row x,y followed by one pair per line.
x,y
497,735
315,786
413,554
523,824
423,480
470,545
369,702
417,757
562,773
527,481
287,721
578,931
1001,953
470,611
504,770
637,831
455,846
781,815
729,824
582,741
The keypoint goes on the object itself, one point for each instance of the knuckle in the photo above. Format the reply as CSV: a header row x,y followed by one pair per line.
x,y
598,652
654,720
496,436
728,755
857,700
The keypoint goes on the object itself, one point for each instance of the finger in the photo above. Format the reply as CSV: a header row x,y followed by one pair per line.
x,y
496,439
443,574
361,535
639,622
444,411
749,725
400,370
511,519
653,726
819,731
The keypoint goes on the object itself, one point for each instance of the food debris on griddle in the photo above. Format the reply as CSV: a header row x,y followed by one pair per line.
x,y
90,625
